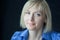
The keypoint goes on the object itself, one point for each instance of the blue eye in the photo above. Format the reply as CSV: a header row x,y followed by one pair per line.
x,y
27,12
38,14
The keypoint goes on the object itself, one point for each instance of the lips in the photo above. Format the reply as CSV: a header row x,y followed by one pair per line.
x,y
31,24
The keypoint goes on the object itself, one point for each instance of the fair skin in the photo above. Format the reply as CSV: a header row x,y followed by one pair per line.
x,y
34,19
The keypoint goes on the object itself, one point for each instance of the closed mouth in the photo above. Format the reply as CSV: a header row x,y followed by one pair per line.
x,y
31,24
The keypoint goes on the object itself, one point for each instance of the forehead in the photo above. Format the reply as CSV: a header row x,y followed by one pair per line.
x,y
35,8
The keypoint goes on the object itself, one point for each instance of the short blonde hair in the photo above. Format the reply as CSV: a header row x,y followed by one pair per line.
x,y
45,6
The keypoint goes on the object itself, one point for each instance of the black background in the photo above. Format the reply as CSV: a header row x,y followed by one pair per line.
x,y
10,16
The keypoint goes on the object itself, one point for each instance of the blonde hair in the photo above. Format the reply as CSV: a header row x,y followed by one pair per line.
x,y
45,7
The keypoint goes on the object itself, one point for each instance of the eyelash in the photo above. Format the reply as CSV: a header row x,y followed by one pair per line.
x,y
38,14
27,13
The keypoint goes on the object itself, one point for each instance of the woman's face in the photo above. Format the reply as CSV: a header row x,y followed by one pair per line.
x,y
34,18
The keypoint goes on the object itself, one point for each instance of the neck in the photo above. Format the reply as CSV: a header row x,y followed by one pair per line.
x,y
35,34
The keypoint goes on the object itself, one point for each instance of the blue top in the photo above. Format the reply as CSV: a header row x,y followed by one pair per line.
x,y
23,35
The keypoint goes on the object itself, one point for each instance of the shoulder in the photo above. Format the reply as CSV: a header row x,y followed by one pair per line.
x,y
18,35
55,36
52,36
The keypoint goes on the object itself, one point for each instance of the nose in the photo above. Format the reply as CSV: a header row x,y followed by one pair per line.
x,y
32,17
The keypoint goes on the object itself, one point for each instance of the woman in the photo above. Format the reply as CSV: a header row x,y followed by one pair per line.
x,y
36,17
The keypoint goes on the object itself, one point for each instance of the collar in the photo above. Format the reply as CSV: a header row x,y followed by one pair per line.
x,y
24,34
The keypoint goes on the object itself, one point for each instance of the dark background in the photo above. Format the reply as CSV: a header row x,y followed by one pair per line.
x,y
10,16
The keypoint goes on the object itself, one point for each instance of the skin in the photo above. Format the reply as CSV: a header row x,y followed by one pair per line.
x,y
34,19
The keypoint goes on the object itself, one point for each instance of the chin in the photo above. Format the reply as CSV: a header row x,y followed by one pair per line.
x,y
31,28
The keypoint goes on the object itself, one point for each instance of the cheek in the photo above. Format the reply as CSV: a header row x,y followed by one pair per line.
x,y
25,19
39,21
